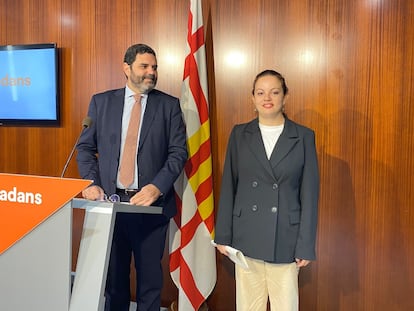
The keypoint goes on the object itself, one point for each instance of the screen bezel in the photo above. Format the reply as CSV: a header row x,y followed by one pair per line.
x,y
37,122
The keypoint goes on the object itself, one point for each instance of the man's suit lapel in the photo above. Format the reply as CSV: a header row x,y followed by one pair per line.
x,y
285,143
113,119
116,109
148,118
114,115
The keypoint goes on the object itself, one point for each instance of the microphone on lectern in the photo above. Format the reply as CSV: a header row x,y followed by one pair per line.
x,y
85,124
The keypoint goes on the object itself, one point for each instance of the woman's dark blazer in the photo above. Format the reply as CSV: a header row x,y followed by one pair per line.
x,y
269,208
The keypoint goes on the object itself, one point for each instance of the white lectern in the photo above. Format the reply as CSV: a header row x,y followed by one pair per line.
x,y
36,244
91,268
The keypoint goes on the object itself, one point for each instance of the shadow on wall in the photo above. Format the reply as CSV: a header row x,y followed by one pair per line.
x,y
335,271
379,212
362,254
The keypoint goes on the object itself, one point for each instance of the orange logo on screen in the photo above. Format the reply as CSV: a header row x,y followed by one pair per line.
x,y
26,201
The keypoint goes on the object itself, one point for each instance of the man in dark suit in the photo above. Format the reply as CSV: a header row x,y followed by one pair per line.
x,y
159,159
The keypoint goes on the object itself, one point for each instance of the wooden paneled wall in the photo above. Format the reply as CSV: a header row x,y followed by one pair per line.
x,y
349,67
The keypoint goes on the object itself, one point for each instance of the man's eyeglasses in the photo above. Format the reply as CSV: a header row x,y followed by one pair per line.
x,y
113,198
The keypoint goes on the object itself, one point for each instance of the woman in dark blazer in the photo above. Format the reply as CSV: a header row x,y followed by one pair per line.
x,y
268,200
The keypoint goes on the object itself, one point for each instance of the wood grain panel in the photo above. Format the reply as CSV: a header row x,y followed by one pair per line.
x,y
3,22
349,66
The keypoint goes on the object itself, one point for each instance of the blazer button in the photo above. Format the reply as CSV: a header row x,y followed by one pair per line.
x,y
275,186
274,209
254,184
254,208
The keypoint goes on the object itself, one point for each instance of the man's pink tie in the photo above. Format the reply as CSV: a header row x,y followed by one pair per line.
x,y
129,156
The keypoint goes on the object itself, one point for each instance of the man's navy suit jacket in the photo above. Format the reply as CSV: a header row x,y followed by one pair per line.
x,y
162,150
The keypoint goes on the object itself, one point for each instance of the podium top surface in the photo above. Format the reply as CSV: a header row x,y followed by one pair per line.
x,y
120,207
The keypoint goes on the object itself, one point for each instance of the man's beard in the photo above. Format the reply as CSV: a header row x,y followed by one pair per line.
x,y
145,87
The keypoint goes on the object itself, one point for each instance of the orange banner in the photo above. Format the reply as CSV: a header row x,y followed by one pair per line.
x,y
26,201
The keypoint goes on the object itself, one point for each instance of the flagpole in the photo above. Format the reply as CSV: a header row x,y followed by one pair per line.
x,y
192,257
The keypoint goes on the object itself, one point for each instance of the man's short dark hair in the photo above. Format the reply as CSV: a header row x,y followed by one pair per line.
x,y
135,49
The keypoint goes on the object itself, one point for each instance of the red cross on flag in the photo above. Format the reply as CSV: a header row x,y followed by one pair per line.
x,y
192,257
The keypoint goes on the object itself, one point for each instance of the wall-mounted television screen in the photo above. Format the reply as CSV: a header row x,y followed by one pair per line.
x,y
29,85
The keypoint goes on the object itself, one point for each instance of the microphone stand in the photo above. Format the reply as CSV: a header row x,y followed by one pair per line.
x,y
85,124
